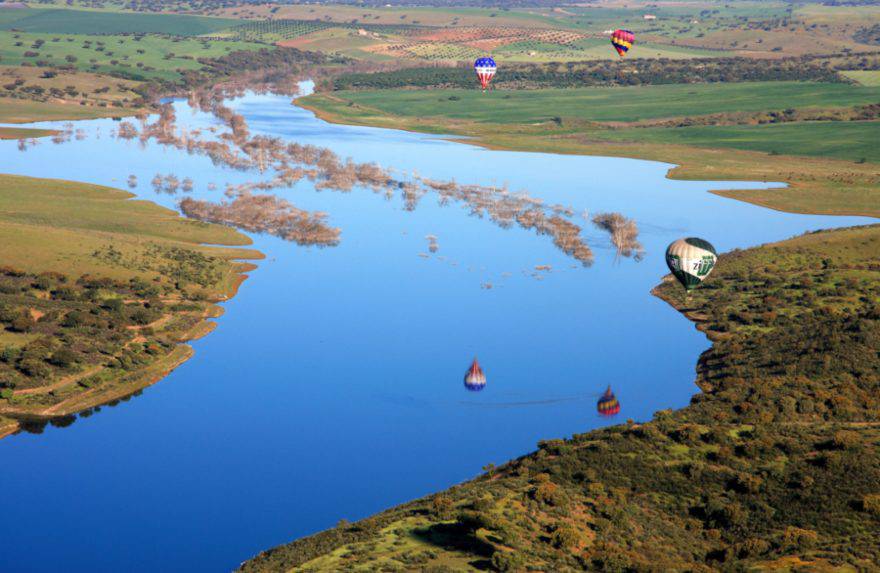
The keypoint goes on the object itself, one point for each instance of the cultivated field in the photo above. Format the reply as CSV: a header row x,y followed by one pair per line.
x,y
610,104
100,22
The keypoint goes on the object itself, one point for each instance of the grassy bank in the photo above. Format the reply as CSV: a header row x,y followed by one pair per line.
x,y
772,466
27,111
98,292
838,172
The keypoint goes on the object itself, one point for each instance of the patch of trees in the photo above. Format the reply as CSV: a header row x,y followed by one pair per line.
x,y
868,35
856,113
617,73
269,63
67,325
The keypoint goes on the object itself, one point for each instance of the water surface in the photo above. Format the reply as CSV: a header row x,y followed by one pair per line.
x,y
332,387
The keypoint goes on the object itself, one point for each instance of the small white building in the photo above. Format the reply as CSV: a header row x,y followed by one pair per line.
x,y
649,17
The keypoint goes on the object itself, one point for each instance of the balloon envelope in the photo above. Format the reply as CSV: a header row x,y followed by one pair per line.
x,y
622,40
608,404
485,69
474,379
691,260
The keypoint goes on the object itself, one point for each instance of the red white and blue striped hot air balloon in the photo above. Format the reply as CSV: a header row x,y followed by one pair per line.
x,y
485,68
608,404
474,379
622,40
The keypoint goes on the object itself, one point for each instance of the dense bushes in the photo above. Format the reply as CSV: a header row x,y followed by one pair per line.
x,y
609,73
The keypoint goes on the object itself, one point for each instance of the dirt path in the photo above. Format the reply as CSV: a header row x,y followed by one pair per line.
x,y
60,383
156,324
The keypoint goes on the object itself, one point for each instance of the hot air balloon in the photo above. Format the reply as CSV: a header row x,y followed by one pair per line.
x,y
608,404
485,68
474,379
622,40
691,260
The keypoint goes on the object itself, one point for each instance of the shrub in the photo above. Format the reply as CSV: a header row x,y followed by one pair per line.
x,y
566,537
795,538
871,504
442,506
23,323
34,368
63,357
506,561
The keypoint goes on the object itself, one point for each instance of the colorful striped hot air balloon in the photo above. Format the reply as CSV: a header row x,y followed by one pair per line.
x,y
622,40
608,404
691,260
485,69
474,379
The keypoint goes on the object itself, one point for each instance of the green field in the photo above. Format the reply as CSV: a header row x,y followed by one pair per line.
x,y
870,78
611,104
851,140
139,57
25,111
94,22
52,225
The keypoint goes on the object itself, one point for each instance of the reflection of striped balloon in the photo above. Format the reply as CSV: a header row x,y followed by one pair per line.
x,y
622,40
691,260
485,68
474,379
608,404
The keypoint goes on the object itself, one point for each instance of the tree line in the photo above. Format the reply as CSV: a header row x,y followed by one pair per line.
x,y
617,73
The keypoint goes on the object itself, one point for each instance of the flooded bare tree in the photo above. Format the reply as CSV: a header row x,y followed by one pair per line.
x,y
126,130
266,214
171,184
624,234
132,181
289,163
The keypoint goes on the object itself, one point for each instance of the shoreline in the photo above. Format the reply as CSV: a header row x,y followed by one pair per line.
x,y
687,163
142,378
126,383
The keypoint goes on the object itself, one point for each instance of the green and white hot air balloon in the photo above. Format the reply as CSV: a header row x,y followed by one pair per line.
x,y
691,260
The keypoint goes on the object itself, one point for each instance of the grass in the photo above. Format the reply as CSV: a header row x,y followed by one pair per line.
x,y
25,111
67,86
870,78
62,21
22,133
53,225
139,57
610,104
848,140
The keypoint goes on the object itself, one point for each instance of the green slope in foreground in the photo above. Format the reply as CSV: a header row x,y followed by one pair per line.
x,y
774,466
98,291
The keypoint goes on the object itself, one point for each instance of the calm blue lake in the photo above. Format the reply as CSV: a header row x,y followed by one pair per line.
x,y
332,387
